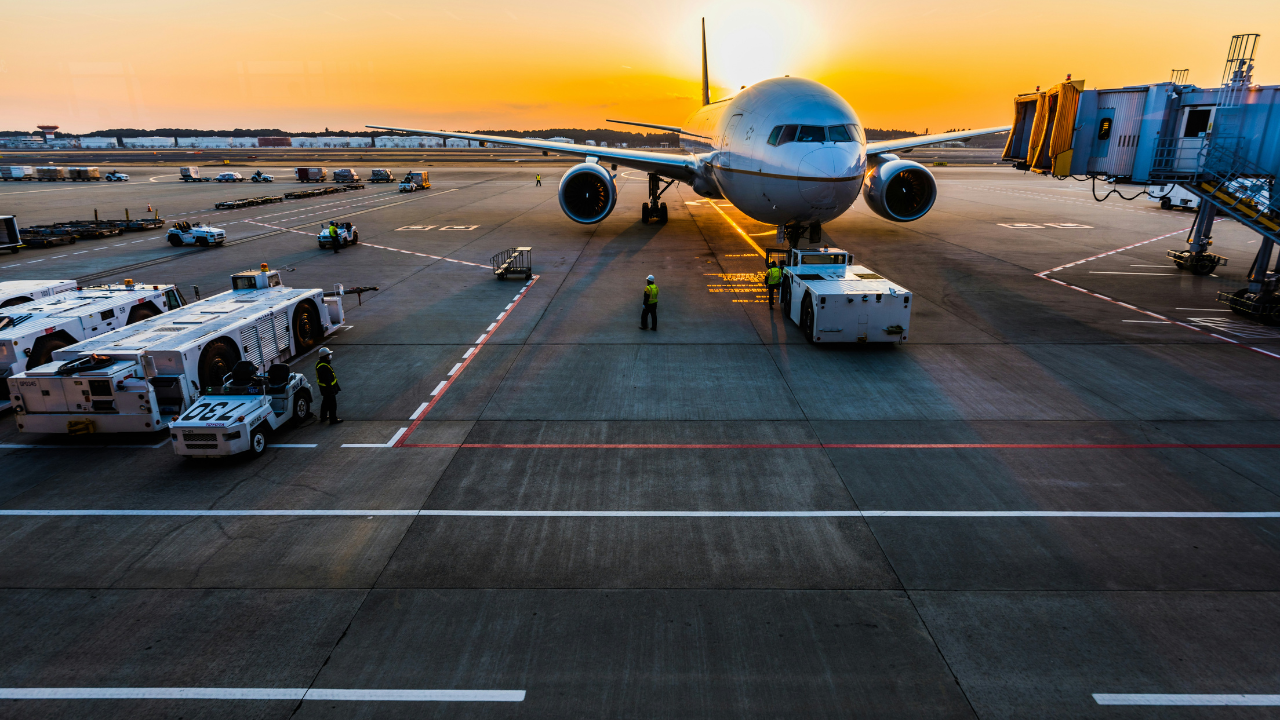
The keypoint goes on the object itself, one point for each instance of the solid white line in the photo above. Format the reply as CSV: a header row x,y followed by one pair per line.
x,y
216,693
1100,272
439,387
1186,699
655,513
291,445
455,369
418,413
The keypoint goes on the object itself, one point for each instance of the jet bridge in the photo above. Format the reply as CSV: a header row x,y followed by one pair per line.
x,y
1221,144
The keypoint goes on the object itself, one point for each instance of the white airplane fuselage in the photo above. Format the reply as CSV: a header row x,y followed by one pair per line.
x,y
804,181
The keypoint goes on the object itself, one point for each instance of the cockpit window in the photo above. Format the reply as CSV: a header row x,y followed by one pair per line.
x,y
811,133
838,133
773,136
782,134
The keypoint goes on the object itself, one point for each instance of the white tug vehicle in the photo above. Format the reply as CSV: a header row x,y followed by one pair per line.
x,y
237,417
197,233
347,235
833,300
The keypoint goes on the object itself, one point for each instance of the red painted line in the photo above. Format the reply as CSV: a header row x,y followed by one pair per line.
x,y
846,446
458,373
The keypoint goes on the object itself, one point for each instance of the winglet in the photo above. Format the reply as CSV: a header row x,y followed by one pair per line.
x,y
706,86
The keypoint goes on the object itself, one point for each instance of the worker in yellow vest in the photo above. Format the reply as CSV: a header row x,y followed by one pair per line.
x,y
327,379
650,305
773,279
333,236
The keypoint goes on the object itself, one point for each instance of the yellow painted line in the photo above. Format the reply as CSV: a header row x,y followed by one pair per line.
x,y
741,232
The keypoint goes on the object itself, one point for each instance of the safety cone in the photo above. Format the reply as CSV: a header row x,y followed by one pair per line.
x,y
149,208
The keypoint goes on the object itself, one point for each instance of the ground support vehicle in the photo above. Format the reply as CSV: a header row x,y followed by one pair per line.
x,y
259,176
353,186
85,174
31,332
248,202
147,375
17,172
415,180
311,174
347,235
10,238
1173,196
381,175
51,173
229,177
513,261
833,300
115,176
345,175
237,417
408,187
192,174
197,233
16,292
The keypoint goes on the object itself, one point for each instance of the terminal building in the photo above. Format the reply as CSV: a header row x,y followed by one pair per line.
x,y
1220,144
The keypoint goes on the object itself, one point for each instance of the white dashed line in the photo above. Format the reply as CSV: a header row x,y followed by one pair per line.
x,y
439,388
455,369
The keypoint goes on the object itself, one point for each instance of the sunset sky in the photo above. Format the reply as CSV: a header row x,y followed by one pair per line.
x,y
500,64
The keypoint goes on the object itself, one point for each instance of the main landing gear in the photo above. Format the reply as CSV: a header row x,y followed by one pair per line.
x,y
655,209
794,232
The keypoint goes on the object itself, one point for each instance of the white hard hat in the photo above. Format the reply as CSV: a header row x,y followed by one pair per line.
x,y
325,351
650,278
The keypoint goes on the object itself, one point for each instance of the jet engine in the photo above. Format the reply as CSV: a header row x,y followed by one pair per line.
x,y
899,190
587,193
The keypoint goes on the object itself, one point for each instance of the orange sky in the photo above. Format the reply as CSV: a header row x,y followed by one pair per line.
x,y
304,66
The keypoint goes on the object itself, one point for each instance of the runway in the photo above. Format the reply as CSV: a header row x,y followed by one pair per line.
x,y
1058,499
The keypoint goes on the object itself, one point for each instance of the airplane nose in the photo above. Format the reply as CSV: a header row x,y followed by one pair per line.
x,y
822,176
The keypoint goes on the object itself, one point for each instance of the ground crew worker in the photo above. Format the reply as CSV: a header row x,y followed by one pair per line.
x,y
538,177
650,305
333,235
329,388
772,279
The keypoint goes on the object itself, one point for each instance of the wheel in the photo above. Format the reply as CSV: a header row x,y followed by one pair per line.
x,y
662,213
301,407
215,362
644,213
806,318
257,441
42,349
13,251
175,241
202,242
1166,204
784,297
355,236
254,179
1203,268
306,327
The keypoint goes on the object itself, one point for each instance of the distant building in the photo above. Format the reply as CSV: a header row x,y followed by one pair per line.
x,y
149,142
204,142
592,143
98,143
244,142
342,142
565,140
22,141
407,141
265,142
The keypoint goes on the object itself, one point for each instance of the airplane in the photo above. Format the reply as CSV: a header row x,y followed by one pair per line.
x,y
786,151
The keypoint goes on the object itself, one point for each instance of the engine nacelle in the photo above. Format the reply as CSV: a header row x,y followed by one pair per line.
x,y
899,190
587,193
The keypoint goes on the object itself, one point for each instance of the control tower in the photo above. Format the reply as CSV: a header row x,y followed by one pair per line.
x,y
47,131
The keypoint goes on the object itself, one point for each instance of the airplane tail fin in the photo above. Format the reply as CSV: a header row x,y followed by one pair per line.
x,y
706,86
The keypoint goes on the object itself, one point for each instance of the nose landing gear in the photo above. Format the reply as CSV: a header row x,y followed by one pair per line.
x,y
793,232
655,209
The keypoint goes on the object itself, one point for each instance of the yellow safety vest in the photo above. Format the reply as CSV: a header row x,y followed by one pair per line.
x,y
333,231
774,275
321,383
652,289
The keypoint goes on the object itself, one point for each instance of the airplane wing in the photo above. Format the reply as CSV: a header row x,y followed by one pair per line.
x,y
679,167
888,146
668,128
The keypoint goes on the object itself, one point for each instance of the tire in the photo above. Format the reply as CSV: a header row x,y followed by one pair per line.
x,y
42,349
644,213
1166,204
306,326
175,241
784,297
257,441
16,300
662,213
254,179
355,236
141,312
13,251
1203,269
216,361
202,242
806,319
301,407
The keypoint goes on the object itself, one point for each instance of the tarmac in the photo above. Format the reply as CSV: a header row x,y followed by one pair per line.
x,y
1059,494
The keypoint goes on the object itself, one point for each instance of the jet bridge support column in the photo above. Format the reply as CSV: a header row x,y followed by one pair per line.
x,y
1260,300
1197,257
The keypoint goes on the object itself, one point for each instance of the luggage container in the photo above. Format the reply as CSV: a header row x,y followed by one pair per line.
x,y
17,172
345,175
51,173
10,238
83,173
832,300
310,174
381,175
192,174
140,378
31,332
16,292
